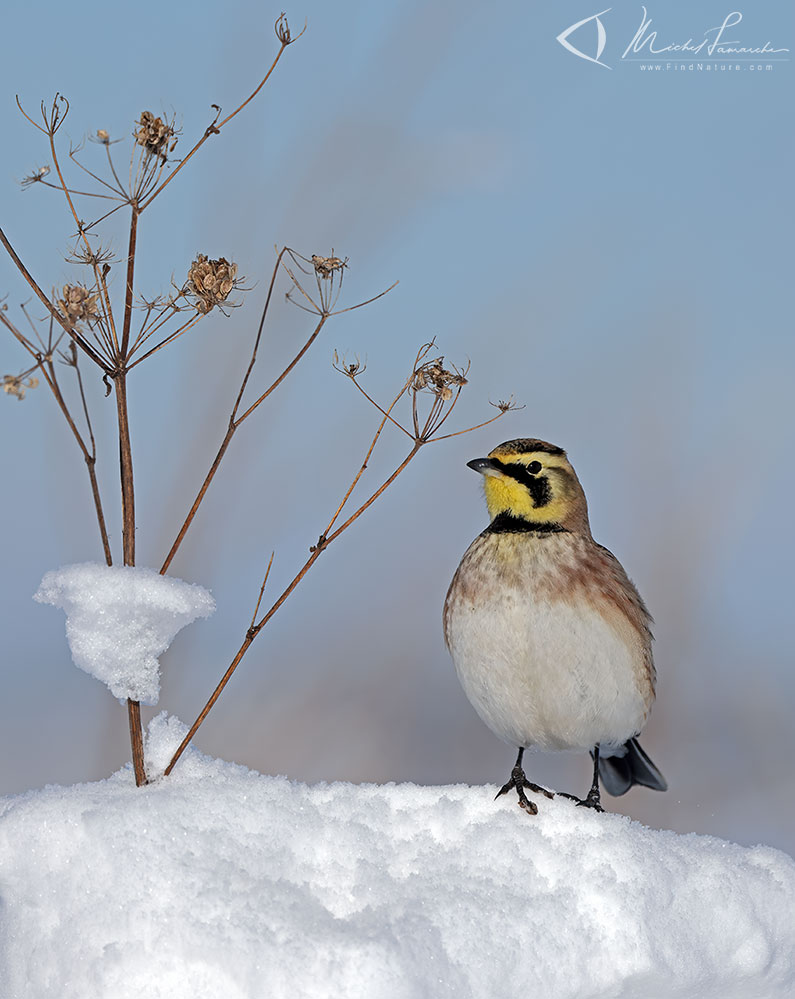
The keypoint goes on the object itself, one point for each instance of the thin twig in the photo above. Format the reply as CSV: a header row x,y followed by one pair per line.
x,y
235,421
215,127
129,286
368,301
277,382
47,368
262,590
386,413
61,320
255,629
468,430
72,190
166,340
258,338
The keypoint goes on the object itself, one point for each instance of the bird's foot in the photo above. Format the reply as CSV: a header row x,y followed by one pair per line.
x,y
592,799
519,782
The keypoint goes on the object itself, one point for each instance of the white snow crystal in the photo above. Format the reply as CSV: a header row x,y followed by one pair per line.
x,y
220,883
119,619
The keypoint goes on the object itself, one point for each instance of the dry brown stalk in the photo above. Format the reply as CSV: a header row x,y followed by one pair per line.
x,y
51,309
236,418
43,354
429,375
283,34
85,314
87,317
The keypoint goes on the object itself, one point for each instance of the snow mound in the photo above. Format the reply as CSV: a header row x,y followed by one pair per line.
x,y
119,619
220,883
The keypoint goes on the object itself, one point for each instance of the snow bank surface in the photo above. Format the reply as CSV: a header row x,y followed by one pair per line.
x,y
219,883
119,619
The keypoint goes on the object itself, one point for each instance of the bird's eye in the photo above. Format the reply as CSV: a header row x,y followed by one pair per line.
x,y
534,467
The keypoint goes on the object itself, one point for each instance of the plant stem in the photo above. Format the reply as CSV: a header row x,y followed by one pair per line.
x,y
92,475
128,538
61,320
235,420
255,629
200,496
126,471
128,296
89,456
136,741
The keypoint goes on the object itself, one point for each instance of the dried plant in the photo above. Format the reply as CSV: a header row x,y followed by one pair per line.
x,y
118,332
327,267
100,332
78,304
36,177
210,282
157,137
443,389
17,385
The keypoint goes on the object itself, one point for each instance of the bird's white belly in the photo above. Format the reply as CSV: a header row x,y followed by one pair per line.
x,y
550,675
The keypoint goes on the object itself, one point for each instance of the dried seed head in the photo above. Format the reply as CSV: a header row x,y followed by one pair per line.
x,y
35,177
282,29
98,257
506,405
434,377
78,304
17,385
210,282
158,137
103,136
325,267
349,368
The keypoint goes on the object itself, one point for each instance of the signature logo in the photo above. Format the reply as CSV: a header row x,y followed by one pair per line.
x,y
714,43
601,38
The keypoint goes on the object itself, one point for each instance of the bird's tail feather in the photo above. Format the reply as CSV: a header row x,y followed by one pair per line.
x,y
619,773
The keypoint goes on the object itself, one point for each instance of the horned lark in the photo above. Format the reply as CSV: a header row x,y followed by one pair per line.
x,y
550,639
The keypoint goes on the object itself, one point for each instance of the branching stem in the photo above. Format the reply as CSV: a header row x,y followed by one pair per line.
x,y
257,627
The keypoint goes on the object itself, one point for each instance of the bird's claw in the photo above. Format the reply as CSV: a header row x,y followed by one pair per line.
x,y
591,801
519,782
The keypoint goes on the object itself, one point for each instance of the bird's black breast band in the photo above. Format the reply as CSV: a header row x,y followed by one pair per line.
x,y
506,523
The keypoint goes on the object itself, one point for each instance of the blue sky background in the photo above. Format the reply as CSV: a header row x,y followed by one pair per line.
x,y
610,245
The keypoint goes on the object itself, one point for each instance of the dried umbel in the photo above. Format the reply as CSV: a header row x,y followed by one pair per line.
x,y
17,385
282,29
506,405
35,177
92,256
436,379
78,304
210,282
325,267
155,135
349,368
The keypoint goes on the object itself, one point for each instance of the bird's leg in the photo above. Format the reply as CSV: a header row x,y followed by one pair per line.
x,y
519,782
592,799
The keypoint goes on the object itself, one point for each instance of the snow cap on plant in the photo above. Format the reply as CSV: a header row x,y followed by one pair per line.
x,y
120,619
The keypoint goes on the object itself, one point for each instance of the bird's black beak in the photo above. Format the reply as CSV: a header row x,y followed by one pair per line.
x,y
486,466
